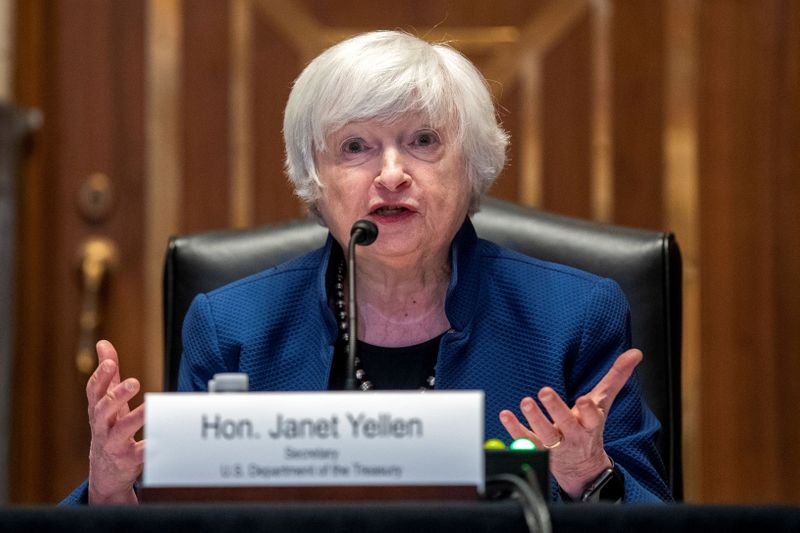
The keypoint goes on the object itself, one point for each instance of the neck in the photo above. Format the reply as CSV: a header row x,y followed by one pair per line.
x,y
401,304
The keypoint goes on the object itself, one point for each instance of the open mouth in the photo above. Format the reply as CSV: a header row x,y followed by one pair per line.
x,y
389,210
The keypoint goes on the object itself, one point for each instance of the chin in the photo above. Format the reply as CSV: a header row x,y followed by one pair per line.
x,y
394,248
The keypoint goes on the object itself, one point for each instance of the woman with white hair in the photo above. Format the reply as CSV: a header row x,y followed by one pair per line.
x,y
388,128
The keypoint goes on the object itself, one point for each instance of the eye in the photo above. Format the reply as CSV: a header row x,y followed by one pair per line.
x,y
426,138
353,146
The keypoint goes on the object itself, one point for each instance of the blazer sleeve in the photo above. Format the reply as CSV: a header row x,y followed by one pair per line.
x,y
631,428
202,357
79,496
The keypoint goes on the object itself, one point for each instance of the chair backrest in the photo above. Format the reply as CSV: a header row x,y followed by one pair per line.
x,y
646,264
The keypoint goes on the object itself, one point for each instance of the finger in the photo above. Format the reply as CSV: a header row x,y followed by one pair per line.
x,y
605,392
107,352
138,451
590,415
116,398
559,411
99,382
126,426
515,428
107,372
539,422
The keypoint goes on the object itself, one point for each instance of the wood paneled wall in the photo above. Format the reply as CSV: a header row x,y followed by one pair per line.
x,y
669,114
749,122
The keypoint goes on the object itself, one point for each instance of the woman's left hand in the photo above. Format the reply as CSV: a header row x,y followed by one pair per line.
x,y
575,436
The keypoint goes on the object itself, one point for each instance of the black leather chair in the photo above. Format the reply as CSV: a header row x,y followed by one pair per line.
x,y
646,264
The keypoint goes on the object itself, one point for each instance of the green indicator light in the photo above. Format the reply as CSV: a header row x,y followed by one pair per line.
x,y
523,444
494,444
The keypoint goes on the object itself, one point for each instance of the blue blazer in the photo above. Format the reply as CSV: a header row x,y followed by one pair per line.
x,y
517,324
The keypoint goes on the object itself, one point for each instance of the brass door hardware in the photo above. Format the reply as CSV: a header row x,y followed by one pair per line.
x,y
98,257
95,198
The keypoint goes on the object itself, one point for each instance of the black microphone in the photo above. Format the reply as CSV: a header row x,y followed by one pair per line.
x,y
364,233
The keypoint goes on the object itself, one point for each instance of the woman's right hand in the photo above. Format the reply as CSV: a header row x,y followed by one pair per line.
x,y
115,457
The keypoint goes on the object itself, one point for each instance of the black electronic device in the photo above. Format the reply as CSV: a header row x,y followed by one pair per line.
x,y
529,465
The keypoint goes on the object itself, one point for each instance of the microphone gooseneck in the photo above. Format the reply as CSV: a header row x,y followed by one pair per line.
x,y
364,233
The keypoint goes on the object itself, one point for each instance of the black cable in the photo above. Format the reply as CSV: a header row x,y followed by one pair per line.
x,y
534,508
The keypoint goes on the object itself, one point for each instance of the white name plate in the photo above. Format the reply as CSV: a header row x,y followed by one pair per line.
x,y
314,439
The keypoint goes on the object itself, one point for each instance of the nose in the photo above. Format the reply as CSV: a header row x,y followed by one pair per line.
x,y
393,175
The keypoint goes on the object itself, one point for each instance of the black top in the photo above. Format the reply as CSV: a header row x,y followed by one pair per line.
x,y
406,367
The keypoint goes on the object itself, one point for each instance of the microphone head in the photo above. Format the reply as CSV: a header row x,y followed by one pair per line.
x,y
364,232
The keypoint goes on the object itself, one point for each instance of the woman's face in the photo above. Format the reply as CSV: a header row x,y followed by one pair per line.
x,y
407,177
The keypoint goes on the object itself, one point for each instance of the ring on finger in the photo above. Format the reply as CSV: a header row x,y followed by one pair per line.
x,y
556,444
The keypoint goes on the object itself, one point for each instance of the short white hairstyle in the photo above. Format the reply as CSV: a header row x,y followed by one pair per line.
x,y
384,75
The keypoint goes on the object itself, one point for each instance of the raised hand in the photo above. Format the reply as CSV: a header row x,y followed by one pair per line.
x,y
575,435
115,457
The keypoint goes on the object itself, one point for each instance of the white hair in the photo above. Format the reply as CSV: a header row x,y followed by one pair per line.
x,y
384,75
